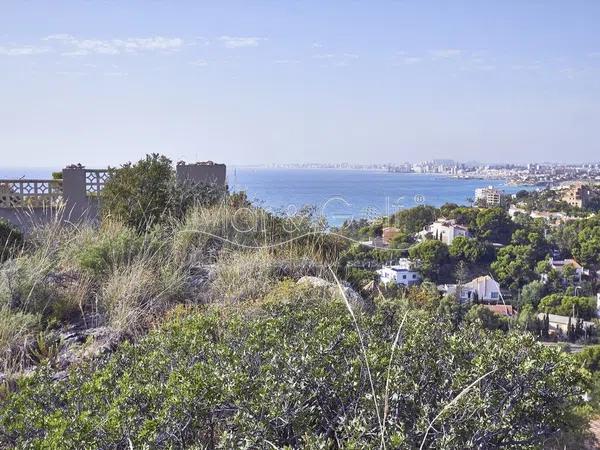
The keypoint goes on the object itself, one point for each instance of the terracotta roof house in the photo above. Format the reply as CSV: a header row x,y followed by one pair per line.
x,y
389,233
503,310
560,264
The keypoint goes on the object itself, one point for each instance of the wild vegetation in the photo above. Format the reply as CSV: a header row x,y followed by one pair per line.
x,y
297,370
551,200
208,322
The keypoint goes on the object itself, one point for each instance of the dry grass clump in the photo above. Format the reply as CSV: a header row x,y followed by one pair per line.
x,y
204,232
17,330
85,276
23,283
134,294
111,275
248,275
132,277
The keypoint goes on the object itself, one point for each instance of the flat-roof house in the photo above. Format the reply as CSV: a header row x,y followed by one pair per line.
x,y
560,324
403,273
445,230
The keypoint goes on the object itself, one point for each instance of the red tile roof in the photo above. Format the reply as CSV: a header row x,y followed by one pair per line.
x,y
503,310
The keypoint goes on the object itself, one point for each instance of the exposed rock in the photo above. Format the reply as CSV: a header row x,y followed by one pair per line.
x,y
353,297
76,345
60,375
101,340
63,279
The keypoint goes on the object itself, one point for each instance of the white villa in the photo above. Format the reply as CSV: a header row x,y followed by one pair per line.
x,y
483,288
444,230
402,273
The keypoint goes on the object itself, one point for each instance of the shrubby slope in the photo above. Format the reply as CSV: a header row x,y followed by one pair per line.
x,y
289,371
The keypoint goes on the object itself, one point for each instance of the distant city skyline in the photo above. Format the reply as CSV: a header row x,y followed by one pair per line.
x,y
260,82
291,164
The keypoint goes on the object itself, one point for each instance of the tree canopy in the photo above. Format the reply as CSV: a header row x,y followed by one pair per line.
x,y
568,305
432,254
414,219
494,224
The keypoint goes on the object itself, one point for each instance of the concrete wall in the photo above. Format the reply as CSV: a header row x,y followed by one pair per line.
x,y
25,218
81,189
202,173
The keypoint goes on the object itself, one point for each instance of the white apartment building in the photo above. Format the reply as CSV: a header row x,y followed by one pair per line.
x,y
490,196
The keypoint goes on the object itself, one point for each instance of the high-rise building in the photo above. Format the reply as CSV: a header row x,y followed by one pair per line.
x,y
489,196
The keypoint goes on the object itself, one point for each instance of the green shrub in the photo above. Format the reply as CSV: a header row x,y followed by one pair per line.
x,y
147,193
359,278
106,248
292,372
486,318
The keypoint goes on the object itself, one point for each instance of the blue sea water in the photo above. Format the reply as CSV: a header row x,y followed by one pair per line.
x,y
344,194
336,194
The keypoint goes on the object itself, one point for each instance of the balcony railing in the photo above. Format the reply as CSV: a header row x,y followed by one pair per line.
x,y
30,193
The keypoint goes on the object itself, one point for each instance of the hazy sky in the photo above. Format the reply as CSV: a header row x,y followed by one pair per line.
x,y
245,82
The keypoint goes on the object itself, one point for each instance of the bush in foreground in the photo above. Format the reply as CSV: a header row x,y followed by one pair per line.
x,y
291,371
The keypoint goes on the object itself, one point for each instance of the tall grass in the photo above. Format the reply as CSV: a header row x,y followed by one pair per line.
x,y
110,274
17,331
248,275
85,275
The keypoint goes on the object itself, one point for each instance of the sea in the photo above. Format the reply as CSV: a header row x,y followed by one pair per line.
x,y
336,194
341,194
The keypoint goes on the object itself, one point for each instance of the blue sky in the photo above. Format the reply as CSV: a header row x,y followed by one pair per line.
x,y
242,82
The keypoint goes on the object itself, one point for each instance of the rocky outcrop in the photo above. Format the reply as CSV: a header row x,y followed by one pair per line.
x,y
351,295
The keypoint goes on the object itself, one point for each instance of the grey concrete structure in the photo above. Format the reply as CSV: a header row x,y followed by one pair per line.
x,y
202,172
77,195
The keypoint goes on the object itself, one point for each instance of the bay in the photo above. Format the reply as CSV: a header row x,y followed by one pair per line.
x,y
337,194
340,194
